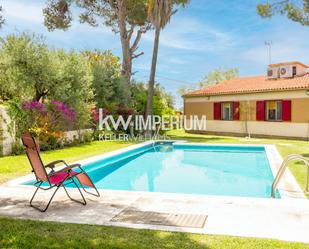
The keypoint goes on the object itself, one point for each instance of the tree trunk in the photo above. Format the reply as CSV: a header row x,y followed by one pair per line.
x,y
149,107
125,42
126,59
37,96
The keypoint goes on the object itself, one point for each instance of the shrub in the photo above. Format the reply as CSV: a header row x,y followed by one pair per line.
x,y
87,136
30,70
17,148
46,121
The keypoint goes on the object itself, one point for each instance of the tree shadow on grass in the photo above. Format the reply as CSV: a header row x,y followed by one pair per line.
x,y
17,233
197,138
305,155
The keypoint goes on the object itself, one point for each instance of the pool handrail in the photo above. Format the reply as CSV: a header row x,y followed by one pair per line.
x,y
285,163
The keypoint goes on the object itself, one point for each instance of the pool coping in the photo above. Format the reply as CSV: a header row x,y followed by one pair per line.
x,y
30,177
287,187
285,219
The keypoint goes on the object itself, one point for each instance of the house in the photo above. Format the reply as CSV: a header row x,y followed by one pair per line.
x,y
273,105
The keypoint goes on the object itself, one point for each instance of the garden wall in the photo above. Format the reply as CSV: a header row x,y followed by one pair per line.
x,y
7,139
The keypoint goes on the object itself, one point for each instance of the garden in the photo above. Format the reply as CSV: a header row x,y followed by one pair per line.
x,y
50,92
60,96
86,81
23,233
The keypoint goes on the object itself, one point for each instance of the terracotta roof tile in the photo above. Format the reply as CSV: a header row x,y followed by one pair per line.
x,y
253,84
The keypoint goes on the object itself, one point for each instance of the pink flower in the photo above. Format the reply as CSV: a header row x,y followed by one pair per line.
x,y
33,105
66,111
130,111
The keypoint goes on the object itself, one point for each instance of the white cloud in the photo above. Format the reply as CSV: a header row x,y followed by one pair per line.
x,y
32,12
191,34
290,47
23,11
143,67
177,61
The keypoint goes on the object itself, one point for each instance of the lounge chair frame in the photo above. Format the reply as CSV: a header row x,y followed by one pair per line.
x,y
71,177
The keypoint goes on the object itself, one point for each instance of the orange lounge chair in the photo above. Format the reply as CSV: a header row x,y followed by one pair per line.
x,y
55,179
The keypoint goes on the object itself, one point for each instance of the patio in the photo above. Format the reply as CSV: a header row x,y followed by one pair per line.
x,y
284,219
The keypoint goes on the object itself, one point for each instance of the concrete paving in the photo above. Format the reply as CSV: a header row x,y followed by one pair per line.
x,y
283,219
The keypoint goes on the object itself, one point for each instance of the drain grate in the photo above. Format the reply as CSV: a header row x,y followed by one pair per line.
x,y
157,218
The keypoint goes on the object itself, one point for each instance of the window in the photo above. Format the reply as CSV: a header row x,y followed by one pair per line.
x,y
227,111
270,73
274,110
294,71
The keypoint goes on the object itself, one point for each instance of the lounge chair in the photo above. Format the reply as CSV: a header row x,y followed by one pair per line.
x,y
55,179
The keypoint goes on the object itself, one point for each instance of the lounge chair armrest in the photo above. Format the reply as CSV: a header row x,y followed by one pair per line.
x,y
53,164
68,168
75,165
72,166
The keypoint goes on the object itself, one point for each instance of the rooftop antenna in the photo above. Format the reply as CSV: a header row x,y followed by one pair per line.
x,y
269,44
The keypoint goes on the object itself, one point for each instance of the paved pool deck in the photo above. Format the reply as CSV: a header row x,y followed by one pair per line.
x,y
284,219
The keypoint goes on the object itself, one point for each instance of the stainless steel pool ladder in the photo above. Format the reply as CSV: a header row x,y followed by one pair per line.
x,y
284,165
154,146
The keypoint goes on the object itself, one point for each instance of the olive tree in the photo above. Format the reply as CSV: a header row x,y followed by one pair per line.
x,y
27,69
108,83
30,71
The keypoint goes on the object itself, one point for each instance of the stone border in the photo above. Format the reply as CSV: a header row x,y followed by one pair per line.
x,y
288,186
285,219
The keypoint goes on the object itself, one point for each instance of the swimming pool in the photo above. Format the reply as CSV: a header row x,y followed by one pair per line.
x,y
188,169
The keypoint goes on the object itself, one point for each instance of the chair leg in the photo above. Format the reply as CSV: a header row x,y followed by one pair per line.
x,y
72,199
50,200
97,194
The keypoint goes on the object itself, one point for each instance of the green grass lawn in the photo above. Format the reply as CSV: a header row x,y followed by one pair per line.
x,y
35,234
38,234
14,166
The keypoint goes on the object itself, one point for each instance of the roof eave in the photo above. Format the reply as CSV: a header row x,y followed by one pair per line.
x,y
245,92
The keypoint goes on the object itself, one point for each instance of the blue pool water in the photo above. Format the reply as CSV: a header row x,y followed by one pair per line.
x,y
189,169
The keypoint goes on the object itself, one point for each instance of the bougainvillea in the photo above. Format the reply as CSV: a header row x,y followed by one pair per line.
x,y
64,110
131,112
96,115
48,121
57,113
33,105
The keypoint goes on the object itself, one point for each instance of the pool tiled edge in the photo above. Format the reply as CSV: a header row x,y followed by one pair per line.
x,y
284,219
288,186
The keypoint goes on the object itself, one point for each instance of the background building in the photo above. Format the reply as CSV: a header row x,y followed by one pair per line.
x,y
272,105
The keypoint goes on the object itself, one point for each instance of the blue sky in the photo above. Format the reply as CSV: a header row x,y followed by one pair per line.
x,y
201,37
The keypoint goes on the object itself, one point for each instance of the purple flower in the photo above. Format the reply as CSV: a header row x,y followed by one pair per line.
x,y
33,105
64,110
130,111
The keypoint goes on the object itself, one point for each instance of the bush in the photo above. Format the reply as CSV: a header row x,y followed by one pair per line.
x,y
17,148
50,141
47,122
87,137
35,74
